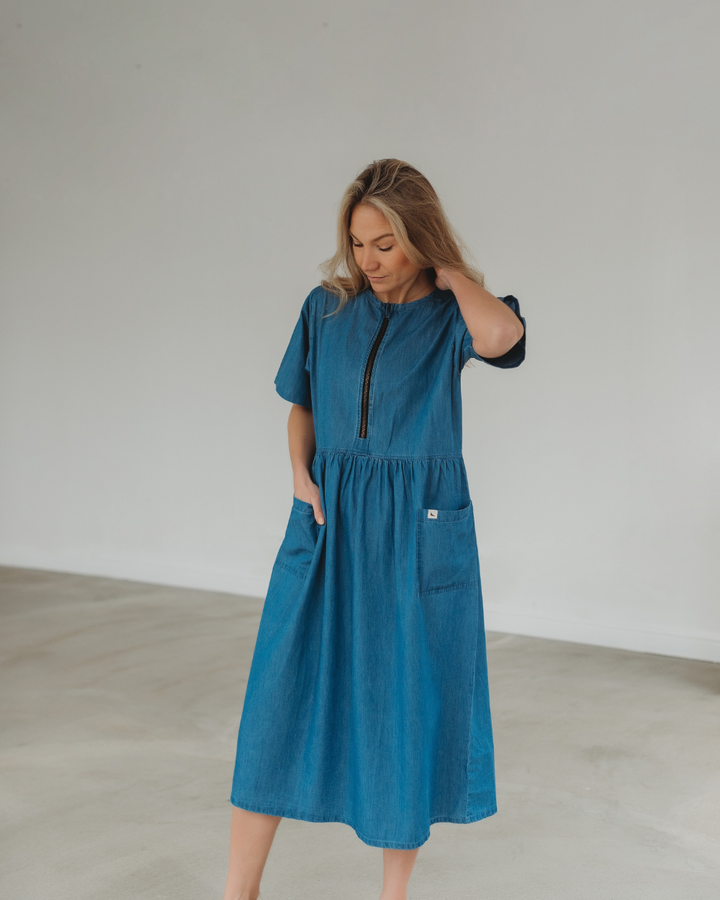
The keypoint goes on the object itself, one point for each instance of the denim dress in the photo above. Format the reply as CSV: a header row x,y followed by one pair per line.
x,y
367,699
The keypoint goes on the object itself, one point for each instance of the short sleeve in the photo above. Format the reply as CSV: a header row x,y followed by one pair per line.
x,y
292,381
514,356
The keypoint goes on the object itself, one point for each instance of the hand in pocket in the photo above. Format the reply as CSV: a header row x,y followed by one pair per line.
x,y
309,493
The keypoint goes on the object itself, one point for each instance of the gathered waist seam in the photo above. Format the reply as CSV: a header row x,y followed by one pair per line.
x,y
334,450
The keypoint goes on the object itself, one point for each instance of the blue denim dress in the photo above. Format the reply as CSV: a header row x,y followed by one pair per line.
x,y
367,700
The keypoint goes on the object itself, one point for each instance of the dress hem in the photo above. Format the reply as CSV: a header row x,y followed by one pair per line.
x,y
391,845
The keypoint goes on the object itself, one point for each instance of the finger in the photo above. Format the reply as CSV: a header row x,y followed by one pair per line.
x,y
319,518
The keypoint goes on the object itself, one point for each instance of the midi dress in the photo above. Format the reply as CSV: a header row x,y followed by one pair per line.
x,y
367,698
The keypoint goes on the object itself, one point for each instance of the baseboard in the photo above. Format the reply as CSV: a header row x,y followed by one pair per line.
x,y
703,646
200,578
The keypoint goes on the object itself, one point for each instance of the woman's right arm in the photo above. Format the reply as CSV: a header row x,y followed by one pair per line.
x,y
301,442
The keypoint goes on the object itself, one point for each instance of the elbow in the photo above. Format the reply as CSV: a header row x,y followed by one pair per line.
x,y
503,338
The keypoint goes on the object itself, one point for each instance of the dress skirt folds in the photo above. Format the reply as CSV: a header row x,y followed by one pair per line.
x,y
367,700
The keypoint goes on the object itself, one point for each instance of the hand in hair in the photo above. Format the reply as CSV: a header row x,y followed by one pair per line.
x,y
442,282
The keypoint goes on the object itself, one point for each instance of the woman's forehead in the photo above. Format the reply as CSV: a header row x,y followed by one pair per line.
x,y
371,222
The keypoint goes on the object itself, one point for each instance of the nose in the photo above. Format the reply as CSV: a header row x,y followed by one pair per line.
x,y
367,262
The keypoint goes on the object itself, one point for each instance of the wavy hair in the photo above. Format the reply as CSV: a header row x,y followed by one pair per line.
x,y
409,203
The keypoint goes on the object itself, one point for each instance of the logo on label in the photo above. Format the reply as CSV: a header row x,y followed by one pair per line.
x,y
432,514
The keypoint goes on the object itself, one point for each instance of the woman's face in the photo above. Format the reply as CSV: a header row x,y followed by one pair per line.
x,y
378,253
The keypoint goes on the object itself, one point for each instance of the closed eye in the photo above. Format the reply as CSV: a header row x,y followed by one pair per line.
x,y
382,249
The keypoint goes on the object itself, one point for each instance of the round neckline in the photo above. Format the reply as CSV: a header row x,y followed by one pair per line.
x,y
382,304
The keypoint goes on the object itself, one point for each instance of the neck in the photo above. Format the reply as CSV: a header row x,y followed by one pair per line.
x,y
416,289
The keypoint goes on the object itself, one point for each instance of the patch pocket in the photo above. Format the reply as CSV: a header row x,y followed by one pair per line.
x,y
301,535
446,554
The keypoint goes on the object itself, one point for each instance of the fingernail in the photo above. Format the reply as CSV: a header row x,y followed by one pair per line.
x,y
321,521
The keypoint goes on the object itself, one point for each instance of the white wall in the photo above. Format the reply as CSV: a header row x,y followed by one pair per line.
x,y
171,172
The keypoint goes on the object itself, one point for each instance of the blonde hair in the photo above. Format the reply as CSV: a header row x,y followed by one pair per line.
x,y
409,203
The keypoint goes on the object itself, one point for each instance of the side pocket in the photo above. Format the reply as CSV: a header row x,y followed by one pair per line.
x,y
446,550
301,535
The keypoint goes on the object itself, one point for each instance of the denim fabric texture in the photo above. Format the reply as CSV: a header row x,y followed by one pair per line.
x,y
367,701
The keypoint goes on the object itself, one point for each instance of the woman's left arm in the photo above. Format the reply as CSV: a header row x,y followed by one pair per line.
x,y
493,325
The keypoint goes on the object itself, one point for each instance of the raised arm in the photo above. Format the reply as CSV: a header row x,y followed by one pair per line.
x,y
493,325
301,442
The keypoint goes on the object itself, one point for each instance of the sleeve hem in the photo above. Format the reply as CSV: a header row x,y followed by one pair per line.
x,y
292,397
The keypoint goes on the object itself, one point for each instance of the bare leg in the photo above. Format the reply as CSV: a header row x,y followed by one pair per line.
x,y
397,868
251,836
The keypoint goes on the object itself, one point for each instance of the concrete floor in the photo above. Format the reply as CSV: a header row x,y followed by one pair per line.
x,y
120,707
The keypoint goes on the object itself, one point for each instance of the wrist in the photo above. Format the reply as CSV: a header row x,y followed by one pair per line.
x,y
450,277
302,477
454,278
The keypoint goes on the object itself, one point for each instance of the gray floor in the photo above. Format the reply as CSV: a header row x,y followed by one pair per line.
x,y
120,707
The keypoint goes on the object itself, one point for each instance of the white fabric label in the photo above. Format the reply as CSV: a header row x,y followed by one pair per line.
x,y
432,514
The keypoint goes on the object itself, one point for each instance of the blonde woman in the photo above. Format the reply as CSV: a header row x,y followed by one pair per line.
x,y
367,700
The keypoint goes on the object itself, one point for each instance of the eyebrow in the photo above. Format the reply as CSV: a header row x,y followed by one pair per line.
x,y
375,240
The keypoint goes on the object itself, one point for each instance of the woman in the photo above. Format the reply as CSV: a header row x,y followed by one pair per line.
x,y
367,700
